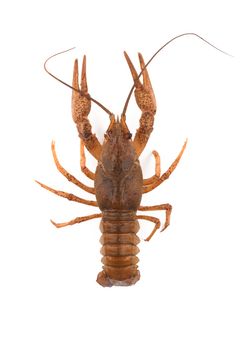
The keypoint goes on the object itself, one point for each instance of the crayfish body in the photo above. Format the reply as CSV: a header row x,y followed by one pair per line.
x,y
118,180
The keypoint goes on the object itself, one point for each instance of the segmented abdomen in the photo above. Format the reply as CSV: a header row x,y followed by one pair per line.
x,y
119,248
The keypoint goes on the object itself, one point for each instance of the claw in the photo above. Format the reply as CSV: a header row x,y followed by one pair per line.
x,y
145,100
144,94
84,76
81,104
133,71
146,80
75,83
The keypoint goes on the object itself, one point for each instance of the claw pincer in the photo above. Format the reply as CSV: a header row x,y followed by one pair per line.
x,y
145,100
81,106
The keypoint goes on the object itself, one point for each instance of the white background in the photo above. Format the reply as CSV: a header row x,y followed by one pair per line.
x,y
192,292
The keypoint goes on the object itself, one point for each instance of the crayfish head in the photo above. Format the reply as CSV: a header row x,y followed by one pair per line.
x,y
118,154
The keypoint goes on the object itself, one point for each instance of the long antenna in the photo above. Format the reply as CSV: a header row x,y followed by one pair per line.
x,y
156,53
71,87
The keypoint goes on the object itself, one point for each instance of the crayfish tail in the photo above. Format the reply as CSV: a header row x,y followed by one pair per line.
x,y
119,249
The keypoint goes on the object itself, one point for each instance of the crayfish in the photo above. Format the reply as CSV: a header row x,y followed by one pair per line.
x,y
118,179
